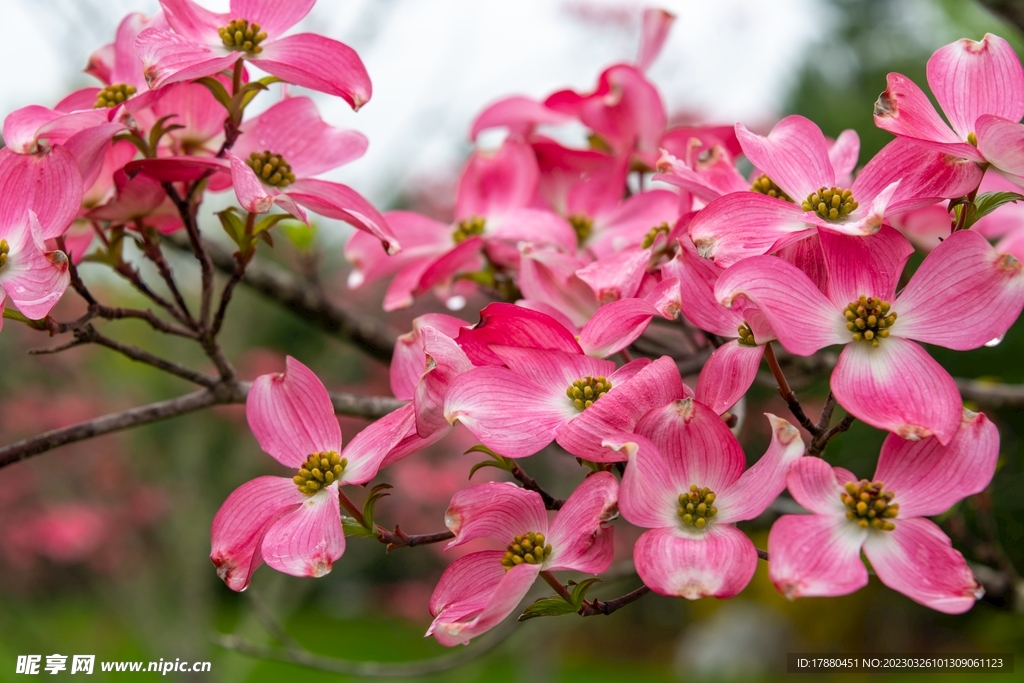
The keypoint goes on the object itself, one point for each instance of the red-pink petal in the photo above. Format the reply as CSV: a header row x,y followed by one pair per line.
x,y
20,127
517,113
192,20
897,387
494,183
615,326
169,58
318,63
816,555
511,325
843,155
774,286
719,562
49,184
578,536
422,240
653,386
761,484
744,224
817,486
964,294
917,559
549,277
697,278
273,16
33,279
445,361
970,78
496,510
928,478
655,27
291,415
617,276
727,375
307,541
651,485
474,594
480,400
1002,143
696,446
794,155
388,438
408,361
335,200
903,109
869,265
241,522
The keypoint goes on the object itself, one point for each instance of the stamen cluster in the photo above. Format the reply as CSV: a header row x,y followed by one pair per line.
x,y
583,392
831,203
271,168
468,227
113,95
319,470
652,235
583,225
241,36
869,505
746,337
765,185
869,319
696,507
526,548
5,249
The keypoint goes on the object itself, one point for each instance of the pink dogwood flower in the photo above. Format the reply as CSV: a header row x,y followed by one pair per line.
x,y
33,278
963,295
979,86
685,481
820,554
204,43
479,590
795,158
291,523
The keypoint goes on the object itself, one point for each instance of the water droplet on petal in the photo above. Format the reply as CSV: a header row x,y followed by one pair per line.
x,y
995,342
355,279
455,303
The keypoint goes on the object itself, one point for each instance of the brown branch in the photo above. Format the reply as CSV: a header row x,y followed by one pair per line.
x,y
817,446
225,296
222,393
88,334
594,607
274,282
400,539
151,247
187,211
787,393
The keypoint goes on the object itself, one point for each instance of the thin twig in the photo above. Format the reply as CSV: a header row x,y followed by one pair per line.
x,y
151,247
594,607
826,412
225,296
400,539
787,393
552,581
530,484
817,446
88,334
224,393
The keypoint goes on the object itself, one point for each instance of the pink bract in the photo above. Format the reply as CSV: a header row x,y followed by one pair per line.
x,y
477,591
819,554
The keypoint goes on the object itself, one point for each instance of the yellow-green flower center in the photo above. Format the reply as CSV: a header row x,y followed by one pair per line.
x,y
528,548
584,391
583,225
241,36
319,470
271,168
746,337
5,249
468,227
652,235
113,95
869,319
870,505
765,185
831,203
696,507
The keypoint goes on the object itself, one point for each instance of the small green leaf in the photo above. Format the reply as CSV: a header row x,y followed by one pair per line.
x,y
987,202
376,493
579,591
485,463
269,222
159,130
499,461
234,226
217,89
547,607
354,528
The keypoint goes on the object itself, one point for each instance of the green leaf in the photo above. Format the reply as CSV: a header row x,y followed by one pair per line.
x,y
269,222
354,528
217,89
988,202
234,226
376,493
579,591
499,461
159,130
547,607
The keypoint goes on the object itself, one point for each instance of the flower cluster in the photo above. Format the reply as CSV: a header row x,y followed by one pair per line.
x,y
605,289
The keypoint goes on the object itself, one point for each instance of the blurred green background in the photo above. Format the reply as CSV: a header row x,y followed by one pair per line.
x,y
104,545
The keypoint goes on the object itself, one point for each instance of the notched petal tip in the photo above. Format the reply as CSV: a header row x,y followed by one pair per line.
x,y
685,408
1009,264
885,106
913,432
784,431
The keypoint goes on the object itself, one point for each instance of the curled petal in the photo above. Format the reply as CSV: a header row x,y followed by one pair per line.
x,y
718,562
727,375
445,361
615,326
794,155
816,555
517,113
291,415
307,541
496,510
656,24
761,484
697,278
928,478
897,387
971,78
965,276
511,325
33,279
817,486
744,224
368,450
903,109
169,58
318,63
494,183
651,484
241,523
918,560
580,542
1002,143
335,200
